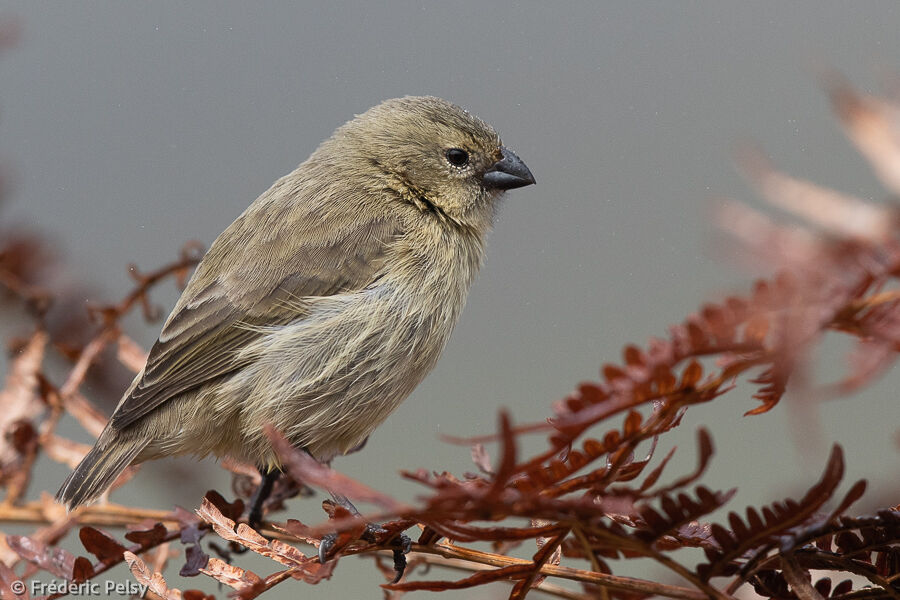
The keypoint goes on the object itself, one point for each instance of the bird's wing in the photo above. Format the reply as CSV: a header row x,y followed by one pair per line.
x,y
236,291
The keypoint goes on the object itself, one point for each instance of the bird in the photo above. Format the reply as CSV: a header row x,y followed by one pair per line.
x,y
324,304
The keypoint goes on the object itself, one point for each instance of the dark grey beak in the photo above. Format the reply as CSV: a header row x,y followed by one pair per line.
x,y
507,173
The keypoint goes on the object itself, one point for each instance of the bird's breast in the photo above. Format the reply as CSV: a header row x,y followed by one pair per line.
x,y
328,379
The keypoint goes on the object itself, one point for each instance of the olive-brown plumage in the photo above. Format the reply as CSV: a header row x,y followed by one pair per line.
x,y
325,303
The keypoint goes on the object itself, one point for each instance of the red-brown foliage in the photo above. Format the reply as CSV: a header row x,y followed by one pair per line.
x,y
583,503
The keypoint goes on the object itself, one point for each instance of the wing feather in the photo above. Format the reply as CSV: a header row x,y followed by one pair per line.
x,y
228,303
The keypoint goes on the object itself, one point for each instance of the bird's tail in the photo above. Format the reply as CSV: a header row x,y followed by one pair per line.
x,y
97,471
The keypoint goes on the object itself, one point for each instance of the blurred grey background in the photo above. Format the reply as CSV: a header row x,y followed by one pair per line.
x,y
131,128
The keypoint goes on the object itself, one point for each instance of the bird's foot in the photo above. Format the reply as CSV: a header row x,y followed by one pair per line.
x,y
399,543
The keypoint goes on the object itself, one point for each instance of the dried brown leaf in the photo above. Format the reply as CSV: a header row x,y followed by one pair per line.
x,y
195,560
231,510
82,570
482,459
11,585
19,399
148,537
777,519
872,125
306,568
244,581
57,561
103,546
153,580
841,214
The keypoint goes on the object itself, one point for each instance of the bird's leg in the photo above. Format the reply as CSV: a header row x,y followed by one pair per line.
x,y
269,477
400,545
255,514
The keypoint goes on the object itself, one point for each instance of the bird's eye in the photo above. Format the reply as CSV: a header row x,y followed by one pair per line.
x,y
457,157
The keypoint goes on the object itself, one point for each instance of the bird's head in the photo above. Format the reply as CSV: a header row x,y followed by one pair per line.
x,y
435,155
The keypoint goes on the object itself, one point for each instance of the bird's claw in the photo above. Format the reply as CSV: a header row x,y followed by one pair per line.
x,y
401,545
325,546
371,532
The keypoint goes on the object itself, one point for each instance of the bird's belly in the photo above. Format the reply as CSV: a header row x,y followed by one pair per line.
x,y
328,380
